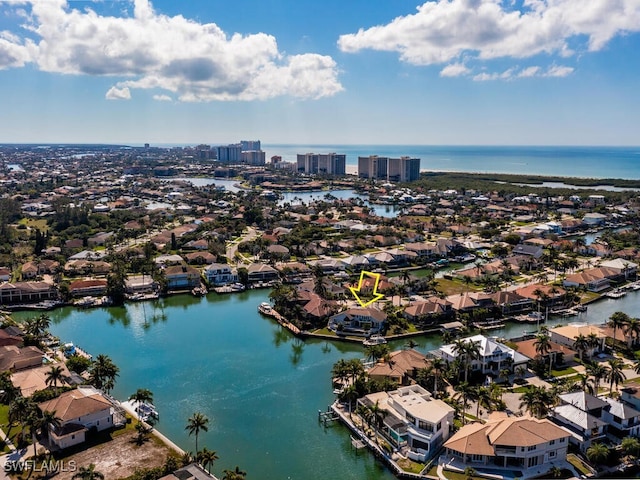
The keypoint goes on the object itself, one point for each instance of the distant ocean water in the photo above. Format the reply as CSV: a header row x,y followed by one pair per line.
x,y
586,162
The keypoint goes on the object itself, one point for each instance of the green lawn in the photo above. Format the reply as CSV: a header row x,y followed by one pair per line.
x,y
410,466
566,371
579,465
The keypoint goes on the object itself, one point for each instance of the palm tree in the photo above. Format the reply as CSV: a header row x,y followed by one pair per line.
x,y
48,422
468,350
543,346
195,424
207,458
103,373
617,320
88,473
469,473
598,372
581,344
615,375
537,401
437,368
555,472
520,371
631,446
464,391
54,375
598,453
141,396
632,329
236,474
484,399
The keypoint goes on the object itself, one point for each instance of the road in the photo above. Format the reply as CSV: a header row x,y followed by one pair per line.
x,y
232,247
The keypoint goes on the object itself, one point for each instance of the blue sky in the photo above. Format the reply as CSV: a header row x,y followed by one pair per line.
x,y
442,72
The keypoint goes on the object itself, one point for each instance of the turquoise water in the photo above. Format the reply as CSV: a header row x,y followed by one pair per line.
x,y
566,161
260,387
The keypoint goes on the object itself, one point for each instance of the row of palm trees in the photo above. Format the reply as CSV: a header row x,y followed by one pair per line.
x,y
629,325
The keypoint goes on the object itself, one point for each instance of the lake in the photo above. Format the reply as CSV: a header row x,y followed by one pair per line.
x,y
260,387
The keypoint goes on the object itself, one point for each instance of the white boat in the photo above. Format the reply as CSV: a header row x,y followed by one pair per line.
x,y
146,411
374,340
265,308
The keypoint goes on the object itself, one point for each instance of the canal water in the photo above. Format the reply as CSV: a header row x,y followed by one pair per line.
x,y
260,387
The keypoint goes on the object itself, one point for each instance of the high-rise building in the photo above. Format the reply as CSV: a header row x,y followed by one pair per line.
x,y
253,157
403,169
229,153
249,145
322,163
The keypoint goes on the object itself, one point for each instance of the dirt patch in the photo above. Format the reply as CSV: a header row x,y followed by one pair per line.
x,y
117,458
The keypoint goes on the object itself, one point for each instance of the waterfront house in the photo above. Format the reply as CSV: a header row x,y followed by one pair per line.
x,y
181,277
6,338
429,311
88,288
260,272
581,414
140,284
400,366
558,353
509,302
220,274
30,380
193,471
593,279
80,411
358,321
524,443
413,420
567,334
493,356
14,358
26,292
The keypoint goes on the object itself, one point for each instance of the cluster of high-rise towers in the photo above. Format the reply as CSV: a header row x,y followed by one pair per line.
x,y
403,169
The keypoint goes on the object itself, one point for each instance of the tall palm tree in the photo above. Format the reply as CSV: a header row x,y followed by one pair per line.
x,y
464,392
54,375
581,344
614,374
88,473
198,422
207,458
142,395
632,329
103,373
484,399
48,422
542,344
617,320
437,368
598,372
468,350
537,401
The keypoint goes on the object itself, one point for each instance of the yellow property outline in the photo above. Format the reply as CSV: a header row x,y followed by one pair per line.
x,y
376,296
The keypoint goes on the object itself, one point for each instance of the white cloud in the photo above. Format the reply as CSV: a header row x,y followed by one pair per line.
x,y
194,61
559,71
14,52
162,98
484,77
529,72
115,93
454,70
444,30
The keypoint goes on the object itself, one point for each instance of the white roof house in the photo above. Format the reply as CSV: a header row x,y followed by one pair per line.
x,y
493,355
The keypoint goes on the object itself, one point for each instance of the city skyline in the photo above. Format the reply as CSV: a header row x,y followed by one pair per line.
x,y
446,72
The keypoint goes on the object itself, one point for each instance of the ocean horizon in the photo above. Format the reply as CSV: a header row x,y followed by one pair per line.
x,y
562,161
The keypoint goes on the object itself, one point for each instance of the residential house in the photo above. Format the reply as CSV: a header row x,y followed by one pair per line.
x,y
524,443
7,338
593,279
27,292
429,311
358,321
557,355
509,302
99,239
413,419
140,284
14,358
534,251
193,471
567,334
88,287
260,272
220,274
468,301
400,366
493,356
182,277
422,249
80,411
623,420
200,257
580,414
5,274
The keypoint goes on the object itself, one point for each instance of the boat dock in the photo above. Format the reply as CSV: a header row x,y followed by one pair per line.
x,y
327,417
